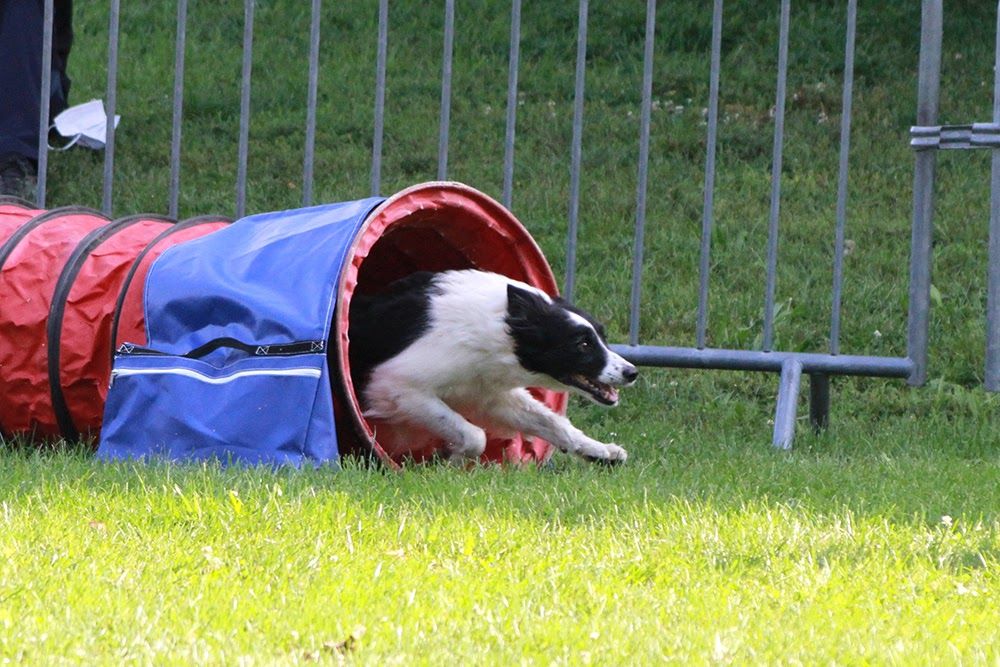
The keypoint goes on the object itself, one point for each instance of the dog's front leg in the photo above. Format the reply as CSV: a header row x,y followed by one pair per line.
x,y
519,411
465,441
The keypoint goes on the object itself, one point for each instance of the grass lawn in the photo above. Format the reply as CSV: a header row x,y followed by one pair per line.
x,y
875,542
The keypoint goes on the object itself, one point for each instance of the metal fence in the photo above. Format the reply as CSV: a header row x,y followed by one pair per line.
x,y
927,136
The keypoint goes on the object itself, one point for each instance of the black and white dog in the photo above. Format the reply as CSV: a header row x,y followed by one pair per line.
x,y
447,351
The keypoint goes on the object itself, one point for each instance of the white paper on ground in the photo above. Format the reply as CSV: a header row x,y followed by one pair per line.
x,y
86,124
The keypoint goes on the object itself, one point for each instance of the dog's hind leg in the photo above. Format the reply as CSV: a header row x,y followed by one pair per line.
x,y
519,411
465,440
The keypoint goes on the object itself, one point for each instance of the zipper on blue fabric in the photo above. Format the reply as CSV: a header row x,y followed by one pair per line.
x,y
252,349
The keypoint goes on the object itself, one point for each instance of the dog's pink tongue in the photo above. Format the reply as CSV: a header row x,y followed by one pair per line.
x,y
613,394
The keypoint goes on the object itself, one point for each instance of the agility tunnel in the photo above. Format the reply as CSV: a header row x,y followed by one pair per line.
x,y
71,285
245,352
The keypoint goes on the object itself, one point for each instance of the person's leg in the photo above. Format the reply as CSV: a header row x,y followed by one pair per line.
x,y
62,41
21,27
20,77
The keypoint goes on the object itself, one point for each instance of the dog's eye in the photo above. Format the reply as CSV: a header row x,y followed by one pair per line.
x,y
583,344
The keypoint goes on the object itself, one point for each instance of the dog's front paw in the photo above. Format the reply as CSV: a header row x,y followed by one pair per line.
x,y
616,454
606,454
469,448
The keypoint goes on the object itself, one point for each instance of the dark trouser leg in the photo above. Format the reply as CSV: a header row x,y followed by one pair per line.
x,y
20,76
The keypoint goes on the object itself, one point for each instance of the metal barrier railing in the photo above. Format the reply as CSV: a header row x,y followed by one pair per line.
x,y
927,136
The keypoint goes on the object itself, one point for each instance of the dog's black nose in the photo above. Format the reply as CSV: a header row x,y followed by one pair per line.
x,y
630,374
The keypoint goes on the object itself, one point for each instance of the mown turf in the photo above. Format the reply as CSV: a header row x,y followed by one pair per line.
x,y
876,542
743,556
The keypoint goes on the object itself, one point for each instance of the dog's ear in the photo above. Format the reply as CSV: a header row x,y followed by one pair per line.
x,y
523,305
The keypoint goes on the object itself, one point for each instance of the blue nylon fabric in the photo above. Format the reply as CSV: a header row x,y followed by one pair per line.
x,y
266,279
259,410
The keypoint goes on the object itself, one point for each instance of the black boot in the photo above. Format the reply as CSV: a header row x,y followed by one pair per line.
x,y
18,177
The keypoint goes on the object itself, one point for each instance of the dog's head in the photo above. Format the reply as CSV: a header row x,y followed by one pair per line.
x,y
553,338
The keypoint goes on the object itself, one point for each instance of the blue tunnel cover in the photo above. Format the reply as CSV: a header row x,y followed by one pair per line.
x,y
238,322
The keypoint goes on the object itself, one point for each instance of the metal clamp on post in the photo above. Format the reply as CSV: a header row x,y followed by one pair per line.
x,y
944,137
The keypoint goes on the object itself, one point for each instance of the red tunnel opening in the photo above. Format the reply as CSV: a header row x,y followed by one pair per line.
x,y
432,227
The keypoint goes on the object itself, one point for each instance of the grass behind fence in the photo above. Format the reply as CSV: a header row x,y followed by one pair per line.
x,y
876,541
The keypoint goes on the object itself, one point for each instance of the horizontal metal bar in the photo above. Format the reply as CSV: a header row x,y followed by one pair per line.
x,y
750,360
944,137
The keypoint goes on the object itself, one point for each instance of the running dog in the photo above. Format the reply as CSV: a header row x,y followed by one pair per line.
x,y
454,352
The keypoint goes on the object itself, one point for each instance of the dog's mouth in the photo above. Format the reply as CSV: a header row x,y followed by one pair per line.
x,y
600,392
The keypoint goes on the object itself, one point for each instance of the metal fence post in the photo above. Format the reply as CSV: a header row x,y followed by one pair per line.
x,y
379,123
175,135
819,401
992,370
708,207
513,65
43,115
244,145
776,161
842,173
928,88
112,107
576,153
446,63
643,177
310,147
819,385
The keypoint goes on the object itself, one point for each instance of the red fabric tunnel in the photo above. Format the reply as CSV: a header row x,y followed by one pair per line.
x,y
73,288
63,274
432,227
